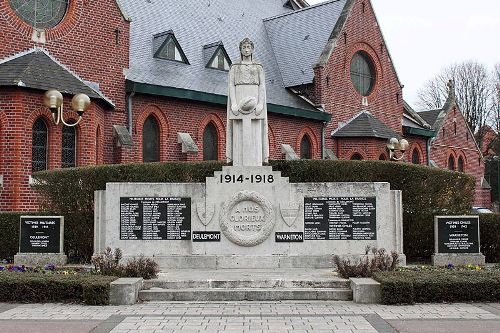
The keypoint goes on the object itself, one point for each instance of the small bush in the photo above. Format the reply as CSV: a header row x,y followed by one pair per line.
x,y
439,285
367,266
43,288
9,236
489,225
108,263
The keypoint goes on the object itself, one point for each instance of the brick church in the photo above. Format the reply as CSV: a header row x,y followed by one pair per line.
x,y
156,73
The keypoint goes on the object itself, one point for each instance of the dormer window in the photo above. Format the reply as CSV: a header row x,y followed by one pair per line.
x,y
216,56
167,47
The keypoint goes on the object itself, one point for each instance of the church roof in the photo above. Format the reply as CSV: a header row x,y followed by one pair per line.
x,y
365,125
198,23
37,69
298,39
430,116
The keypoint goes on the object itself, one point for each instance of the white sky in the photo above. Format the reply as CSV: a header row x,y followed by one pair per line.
x,y
424,36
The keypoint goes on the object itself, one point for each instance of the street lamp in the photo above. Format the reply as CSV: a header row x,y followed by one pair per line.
x,y
396,145
53,99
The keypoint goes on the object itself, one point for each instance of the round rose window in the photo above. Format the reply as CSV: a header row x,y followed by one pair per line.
x,y
40,14
363,73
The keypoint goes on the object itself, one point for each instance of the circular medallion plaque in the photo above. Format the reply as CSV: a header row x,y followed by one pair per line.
x,y
247,219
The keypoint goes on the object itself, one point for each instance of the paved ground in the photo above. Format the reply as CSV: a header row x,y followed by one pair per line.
x,y
340,317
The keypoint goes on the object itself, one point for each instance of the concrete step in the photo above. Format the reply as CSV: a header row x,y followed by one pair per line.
x,y
245,283
249,294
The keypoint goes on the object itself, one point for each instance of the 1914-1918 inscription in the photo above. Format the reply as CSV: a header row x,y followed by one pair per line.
x,y
160,218
40,234
457,234
344,218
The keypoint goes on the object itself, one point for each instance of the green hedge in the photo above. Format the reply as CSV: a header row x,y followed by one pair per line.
x,y
426,191
489,225
9,235
44,288
409,287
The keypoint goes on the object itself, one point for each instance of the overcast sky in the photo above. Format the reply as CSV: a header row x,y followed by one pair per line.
x,y
424,36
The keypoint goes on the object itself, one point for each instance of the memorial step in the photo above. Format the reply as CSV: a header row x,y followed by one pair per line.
x,y
246,294
249,284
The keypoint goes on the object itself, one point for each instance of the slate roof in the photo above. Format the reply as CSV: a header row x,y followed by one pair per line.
x,y
364,124
197,23
298,39
430,116
36,69
413,118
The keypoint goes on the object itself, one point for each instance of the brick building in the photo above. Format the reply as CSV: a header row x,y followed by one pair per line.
x,y
156,72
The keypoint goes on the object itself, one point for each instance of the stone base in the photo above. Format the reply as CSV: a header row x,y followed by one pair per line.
x,y
458,259
125,291
365,290
40,259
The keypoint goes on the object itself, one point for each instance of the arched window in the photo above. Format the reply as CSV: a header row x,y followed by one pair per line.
x,y
356,157
461,164
68,145
451,163
415,156
362,73
305,148
39,146
151,140
210,143
382,157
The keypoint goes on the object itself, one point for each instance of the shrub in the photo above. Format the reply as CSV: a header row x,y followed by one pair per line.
x,y
42,288
367,266
426,191
108,263
9,235
408,287
489,225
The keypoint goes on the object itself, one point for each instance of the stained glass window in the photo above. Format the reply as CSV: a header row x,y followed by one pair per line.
x,y
39,146
451,163
210,143
362,73
40,14
151,140
68,158
461,164
305,148
356,157
415,157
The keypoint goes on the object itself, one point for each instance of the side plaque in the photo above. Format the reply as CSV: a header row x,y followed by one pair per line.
x,y
345,218
41,234
457,234
155,218
289,237
206,236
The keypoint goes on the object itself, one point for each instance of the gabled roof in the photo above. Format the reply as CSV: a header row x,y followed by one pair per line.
x,y
37,69
197,23
365,125
414,116
430,116
299,37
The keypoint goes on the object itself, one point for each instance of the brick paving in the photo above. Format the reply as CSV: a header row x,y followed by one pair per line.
x,y
292,316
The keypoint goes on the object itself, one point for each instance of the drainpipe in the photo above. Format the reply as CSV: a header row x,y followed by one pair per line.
x,y
129,110
323,140
429,143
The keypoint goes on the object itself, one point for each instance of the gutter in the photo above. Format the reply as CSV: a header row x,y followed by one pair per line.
x,y
129,111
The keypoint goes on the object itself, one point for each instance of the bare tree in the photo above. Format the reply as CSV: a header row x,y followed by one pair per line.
x,y
473,91
495,112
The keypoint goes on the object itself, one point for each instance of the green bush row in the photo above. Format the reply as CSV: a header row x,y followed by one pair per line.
x,y
45,288
426,191
489,225
9,235
411,287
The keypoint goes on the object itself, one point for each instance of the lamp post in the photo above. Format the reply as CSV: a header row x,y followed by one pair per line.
x,y
396,145
53,99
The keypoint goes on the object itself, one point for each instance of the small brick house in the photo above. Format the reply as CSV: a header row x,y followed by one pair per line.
x,y
156,72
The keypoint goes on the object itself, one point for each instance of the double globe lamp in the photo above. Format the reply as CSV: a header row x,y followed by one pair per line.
x,y
53,99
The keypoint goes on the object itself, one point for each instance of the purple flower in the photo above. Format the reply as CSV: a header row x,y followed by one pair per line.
x,y
50,267
450,266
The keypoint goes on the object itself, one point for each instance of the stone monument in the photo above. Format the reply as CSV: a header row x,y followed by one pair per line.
x,y
247,215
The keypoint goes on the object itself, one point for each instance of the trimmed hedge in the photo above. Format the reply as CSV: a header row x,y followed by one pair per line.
x,y
426,191
409,287
9,235
489,225
50,288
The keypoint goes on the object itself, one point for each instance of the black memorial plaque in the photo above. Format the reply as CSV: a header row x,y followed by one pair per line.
x,y
206,236
162,218
289,237
343,218
458,234
40,234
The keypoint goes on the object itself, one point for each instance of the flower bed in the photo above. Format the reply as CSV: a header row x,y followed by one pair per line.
x,y
426,284
47,284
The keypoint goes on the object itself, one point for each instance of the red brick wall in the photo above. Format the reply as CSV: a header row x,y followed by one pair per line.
x,y
338,94
176,115
454,139
85,42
